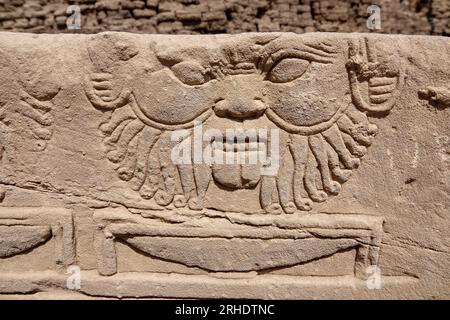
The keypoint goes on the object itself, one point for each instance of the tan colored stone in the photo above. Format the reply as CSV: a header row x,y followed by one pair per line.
x,y
105,165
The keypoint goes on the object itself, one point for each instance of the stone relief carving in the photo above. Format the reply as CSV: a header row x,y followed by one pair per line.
x,y
234,242
324,135
26,113
269,81
226,230
439,97
25,228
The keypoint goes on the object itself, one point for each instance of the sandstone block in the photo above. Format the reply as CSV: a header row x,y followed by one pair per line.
x,y
315,165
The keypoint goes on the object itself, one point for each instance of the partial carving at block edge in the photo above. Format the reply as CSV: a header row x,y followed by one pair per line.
x,y
40,223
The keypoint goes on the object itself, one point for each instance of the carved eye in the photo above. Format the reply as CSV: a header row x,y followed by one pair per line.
x,y
190,73
287,69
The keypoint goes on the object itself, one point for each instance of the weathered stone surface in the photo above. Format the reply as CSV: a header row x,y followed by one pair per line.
x,y
115,160
16,239
227,16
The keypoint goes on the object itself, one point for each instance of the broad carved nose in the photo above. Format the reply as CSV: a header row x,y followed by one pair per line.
x,y
241,98
240,108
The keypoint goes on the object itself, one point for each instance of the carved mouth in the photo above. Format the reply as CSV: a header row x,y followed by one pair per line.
x,y
238,144
243,157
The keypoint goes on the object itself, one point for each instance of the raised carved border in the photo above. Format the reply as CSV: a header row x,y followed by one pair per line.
x,y
367,230
59,220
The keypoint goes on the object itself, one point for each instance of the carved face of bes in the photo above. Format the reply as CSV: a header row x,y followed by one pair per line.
x,y
289,83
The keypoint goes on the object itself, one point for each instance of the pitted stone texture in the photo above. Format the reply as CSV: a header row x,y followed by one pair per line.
x,y
88,129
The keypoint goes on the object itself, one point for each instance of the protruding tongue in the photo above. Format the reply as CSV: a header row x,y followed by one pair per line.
x,y
237,176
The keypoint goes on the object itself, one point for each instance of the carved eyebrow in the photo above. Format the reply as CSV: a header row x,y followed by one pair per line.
x,y
325,47
321,53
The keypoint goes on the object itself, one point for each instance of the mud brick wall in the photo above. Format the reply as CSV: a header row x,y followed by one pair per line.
x,y
227,16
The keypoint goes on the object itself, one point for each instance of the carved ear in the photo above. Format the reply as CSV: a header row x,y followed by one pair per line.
x,y
108,52
384,81
101,103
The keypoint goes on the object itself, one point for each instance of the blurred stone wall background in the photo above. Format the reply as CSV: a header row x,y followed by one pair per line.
x,y
227,16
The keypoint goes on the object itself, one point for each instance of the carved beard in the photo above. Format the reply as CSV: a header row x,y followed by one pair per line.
x,y
311,167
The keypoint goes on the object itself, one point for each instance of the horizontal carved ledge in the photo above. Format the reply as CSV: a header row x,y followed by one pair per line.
x,y
219,245
23,228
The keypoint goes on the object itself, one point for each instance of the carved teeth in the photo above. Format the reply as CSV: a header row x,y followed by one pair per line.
x,y
240,145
